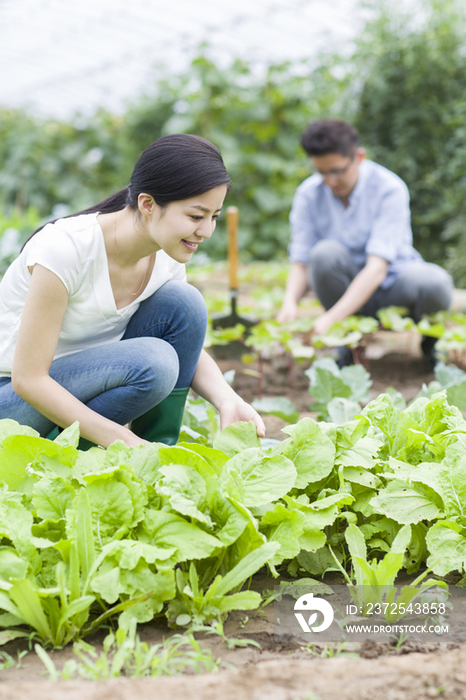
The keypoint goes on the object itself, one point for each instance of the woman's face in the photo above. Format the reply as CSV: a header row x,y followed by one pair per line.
x,y
181,227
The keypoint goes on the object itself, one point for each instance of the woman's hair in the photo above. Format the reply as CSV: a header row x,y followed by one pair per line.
x,y
172,168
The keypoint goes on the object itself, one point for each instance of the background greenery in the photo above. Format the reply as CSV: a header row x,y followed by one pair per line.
x,y
403,85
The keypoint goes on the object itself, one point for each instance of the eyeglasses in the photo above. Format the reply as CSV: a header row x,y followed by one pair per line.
x,y
336,173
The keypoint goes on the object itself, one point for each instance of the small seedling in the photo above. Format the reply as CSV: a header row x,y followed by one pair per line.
x,y
124,654
328,651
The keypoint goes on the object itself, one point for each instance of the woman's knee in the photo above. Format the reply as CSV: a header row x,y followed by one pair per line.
x,y
154,365
188,300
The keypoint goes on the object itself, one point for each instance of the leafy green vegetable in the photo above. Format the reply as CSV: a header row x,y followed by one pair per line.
x,y
177,531
328,382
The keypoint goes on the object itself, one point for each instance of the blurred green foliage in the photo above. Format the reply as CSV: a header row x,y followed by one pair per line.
x,y
15,228
47,162
403,86
255,120
411,116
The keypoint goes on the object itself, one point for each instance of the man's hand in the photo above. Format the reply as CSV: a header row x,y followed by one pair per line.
x,y
288,311
359,291
296,286
322,324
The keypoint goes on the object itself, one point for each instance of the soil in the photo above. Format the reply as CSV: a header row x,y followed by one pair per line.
x,y
281,669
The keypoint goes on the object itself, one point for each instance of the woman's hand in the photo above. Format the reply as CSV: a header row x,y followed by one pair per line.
x,y
236,410
210,383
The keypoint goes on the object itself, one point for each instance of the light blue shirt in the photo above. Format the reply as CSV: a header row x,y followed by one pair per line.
x,y
376,222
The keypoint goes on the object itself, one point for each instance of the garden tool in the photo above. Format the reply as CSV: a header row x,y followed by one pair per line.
x,y
235,348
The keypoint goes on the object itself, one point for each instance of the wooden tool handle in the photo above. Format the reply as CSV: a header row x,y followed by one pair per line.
x,y
232,226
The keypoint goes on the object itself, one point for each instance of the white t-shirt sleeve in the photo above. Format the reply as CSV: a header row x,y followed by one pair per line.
x,y
55,250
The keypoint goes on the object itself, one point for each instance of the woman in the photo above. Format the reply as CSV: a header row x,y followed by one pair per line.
x,y
97,322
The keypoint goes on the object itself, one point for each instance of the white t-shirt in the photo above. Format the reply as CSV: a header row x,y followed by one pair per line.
x,y
74,250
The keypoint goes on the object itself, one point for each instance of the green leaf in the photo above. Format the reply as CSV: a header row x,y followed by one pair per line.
x,y
145,462
82,534
285,527
111,507
312,540
9,635
11,427
406,504
277,406
310,450
214,458
167,530
446,479
52,497
319,514
295,589
245,600
358,552
69,437
383,415
77,606
387,569
342,410
122,578
12,567
15,525
29,605
236,438
317,563
395,318
255,479
359,381
229,519
362,454
359,475
185,491
245,568
446,544
326,382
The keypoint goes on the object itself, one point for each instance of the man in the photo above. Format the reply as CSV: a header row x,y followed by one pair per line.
x,y
352,240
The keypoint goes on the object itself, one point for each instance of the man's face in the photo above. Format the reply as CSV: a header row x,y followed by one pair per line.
x,y
339,172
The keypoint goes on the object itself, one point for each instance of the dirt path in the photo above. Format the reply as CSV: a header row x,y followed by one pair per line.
x,y
409,677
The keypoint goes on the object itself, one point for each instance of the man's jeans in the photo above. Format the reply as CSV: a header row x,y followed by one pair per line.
x,y
423,288
158,352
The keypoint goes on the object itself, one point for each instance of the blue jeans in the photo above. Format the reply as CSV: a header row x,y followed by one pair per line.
x,y
158,352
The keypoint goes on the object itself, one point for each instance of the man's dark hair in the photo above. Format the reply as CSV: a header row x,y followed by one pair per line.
x,y
330,136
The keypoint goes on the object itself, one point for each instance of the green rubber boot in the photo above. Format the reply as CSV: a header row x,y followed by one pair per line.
x,y
163,422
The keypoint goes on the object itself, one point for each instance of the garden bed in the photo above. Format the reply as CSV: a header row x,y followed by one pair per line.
x,y
283,669
394,360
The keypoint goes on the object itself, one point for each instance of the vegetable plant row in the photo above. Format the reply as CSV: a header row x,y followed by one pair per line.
x,y
269,337
178,531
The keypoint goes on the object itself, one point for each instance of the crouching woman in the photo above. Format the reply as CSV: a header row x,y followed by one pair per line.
x,y
97,321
